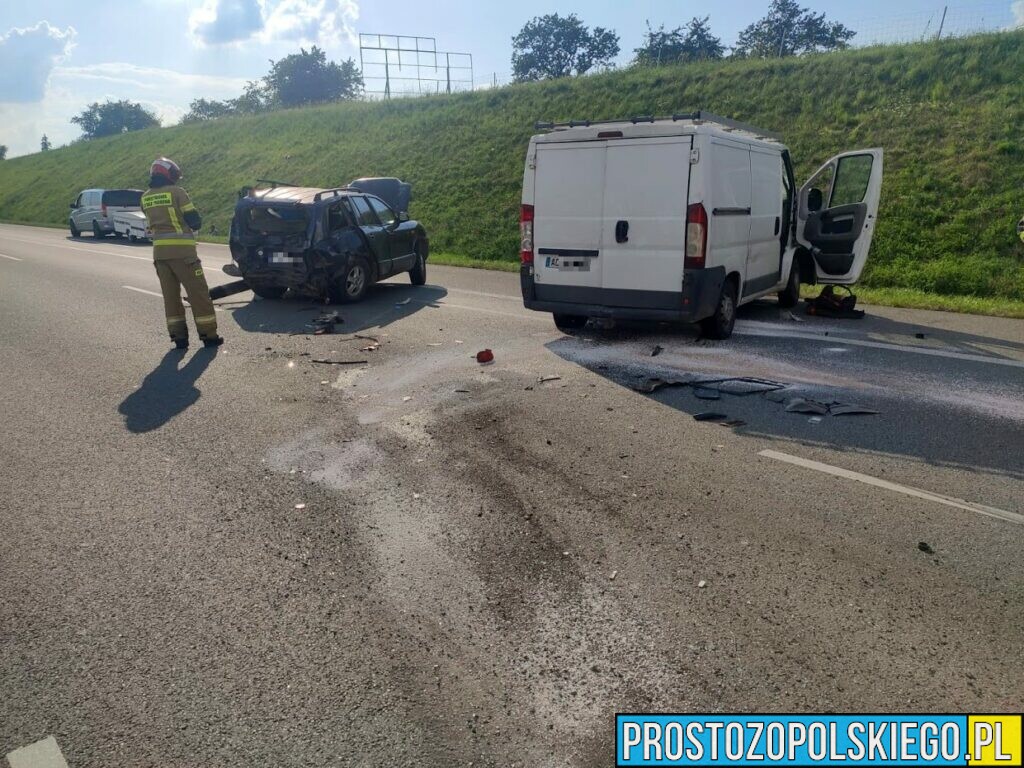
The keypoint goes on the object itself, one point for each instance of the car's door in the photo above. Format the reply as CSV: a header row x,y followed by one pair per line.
x,y
76,209
837,212
375,234
401,235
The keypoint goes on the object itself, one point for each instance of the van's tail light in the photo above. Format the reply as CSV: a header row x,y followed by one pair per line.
x,y
696,236
103,210
526,234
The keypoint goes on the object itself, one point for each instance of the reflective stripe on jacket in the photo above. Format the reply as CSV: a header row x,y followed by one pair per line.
x,y
165,209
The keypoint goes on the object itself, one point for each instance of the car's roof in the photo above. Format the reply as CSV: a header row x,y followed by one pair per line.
x,y
300,194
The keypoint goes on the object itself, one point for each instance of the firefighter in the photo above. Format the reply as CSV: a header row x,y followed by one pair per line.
x,y
173,221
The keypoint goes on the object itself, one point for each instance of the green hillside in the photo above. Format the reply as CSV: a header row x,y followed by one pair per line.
x,y
950,116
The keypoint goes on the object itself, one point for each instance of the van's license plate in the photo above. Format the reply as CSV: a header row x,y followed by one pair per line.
x,y
566,264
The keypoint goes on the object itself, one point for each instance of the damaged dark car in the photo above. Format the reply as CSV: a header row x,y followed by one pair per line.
x,y
329,243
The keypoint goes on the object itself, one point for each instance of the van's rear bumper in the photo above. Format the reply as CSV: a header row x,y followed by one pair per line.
x,y
697,298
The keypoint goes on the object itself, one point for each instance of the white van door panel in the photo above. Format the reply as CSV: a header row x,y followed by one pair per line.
x,y
730,207
837,212
766,199
643,239
568,199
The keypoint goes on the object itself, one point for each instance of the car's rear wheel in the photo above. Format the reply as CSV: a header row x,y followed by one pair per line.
x,y
352,283
418,273
96,231
267,291
720,324
75,231
790,295
570,323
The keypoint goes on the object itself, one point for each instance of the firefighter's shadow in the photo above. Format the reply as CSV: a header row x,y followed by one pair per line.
x,y
166,392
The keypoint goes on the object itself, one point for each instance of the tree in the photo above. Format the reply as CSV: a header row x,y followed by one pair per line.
x,y
557,46
3,151
691,43
308,77
114,117
44,144
207,109
789,30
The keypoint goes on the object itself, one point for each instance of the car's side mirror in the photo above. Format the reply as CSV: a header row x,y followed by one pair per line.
x,y
815,200
73,206
403,215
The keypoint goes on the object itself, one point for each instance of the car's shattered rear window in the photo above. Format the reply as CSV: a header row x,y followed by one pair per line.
x,y
283,220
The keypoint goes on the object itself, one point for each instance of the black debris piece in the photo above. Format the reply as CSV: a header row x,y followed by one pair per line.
x,y
339,362
925,547
803,405
325,323
828,304
658,349
849,409
710,416
703,393
918,335
734,423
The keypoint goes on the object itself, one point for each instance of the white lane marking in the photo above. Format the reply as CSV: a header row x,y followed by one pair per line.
x,y
748,331
12,258
158,295
143,290
42,754
938,498
85,249
486,295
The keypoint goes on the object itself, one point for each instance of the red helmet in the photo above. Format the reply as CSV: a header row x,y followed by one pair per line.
x,y
169,169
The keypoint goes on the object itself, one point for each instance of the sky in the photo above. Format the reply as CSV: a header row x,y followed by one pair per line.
x,y
58,56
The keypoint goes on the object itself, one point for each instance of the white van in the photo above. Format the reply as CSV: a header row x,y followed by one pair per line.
x,y
93,210
684,219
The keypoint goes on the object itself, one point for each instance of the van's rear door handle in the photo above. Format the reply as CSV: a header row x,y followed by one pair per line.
x,y
778,224
621,231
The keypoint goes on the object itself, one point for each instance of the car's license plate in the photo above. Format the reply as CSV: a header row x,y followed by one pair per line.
x,y
280,257
568,264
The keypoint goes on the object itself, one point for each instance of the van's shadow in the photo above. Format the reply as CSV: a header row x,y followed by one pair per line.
x,y
86,239
385,303
940,433
167,391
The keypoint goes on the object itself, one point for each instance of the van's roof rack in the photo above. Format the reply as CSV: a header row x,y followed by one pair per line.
x,y
699,116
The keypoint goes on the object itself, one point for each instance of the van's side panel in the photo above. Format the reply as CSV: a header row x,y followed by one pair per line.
x,y
568,197
766,195
645,194
728,178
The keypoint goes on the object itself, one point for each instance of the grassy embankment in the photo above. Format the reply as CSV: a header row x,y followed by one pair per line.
x,y
950,116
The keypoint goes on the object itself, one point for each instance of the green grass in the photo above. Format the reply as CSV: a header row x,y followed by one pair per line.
x,y
948,114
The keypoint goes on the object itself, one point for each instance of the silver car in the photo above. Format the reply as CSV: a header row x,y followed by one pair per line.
x,y
91,210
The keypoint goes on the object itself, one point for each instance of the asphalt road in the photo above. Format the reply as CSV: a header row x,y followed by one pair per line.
x,y
247,558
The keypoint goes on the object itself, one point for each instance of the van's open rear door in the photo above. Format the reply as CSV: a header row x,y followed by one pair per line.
x,y
837,212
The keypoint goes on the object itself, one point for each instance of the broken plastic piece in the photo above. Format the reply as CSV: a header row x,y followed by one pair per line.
x,y
485,356
709,416
703,393
658,349
803,405
402,303
339,362
542,379
848,409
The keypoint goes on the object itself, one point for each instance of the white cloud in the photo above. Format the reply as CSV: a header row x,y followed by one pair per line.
x,y
1017,9
27,57
217,22
71,89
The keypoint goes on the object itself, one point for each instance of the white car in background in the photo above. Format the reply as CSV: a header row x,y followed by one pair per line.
x,y
93,210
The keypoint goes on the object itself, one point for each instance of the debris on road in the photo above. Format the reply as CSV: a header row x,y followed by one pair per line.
x,y
734,423
612,575
300,506
925,547
842,409
703,393
228,289
542,379
710,416
325,323
485,356
918,335
804,405
701,584
827,304
658,349
402,303
320,361
796,319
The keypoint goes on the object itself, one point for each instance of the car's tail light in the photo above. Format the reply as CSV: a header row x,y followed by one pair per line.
x,y
696,236
103,210
526,234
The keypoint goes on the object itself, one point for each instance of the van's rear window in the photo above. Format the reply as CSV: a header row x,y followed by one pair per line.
x,y
284,220
123,198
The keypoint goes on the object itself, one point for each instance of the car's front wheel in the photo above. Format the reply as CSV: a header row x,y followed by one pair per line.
x,y
353,283
418,273
75,231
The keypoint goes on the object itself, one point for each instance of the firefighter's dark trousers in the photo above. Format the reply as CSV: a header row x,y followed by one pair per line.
x,y
186,271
